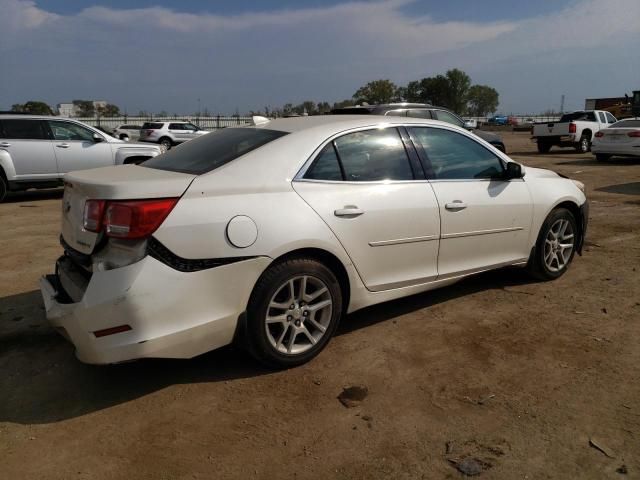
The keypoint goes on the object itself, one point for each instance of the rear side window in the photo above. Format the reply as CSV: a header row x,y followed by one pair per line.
x,y
373,155
23,129
448,117
152,126
213,150
456,156
326,165
578,116
419,113
610,117
177,126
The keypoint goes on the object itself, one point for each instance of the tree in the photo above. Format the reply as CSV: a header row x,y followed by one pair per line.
x,y
34,107
324,107
109,110
433,90
378,91
482,100
343,104
458,90
85,108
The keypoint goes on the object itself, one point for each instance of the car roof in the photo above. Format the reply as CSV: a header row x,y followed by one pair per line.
x,y
23,116
337,123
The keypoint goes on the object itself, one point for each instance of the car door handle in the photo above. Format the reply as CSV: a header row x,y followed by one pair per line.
x,y
455,205
5,144
63,145
348,211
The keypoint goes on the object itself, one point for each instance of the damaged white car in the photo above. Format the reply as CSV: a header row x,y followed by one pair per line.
x,y
269,234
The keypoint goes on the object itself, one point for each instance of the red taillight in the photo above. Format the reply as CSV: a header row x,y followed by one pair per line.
x,y
599,134
572,128
127,219
635,134
92,216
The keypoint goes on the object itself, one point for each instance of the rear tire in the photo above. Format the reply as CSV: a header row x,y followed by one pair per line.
x,y
280,336
165,143
555,247
602,157
584,145
543,147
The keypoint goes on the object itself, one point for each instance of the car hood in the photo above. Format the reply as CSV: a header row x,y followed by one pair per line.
x,y
488,136
541,173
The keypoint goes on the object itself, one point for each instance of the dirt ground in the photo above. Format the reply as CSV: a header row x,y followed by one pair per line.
x,y
519,375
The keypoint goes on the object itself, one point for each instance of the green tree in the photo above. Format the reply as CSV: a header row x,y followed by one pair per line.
x,y
34,107
482,100
324,107
433,90
377,91
110,110
343,104
458,90
85,108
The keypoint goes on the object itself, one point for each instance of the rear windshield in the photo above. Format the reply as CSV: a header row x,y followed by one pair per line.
x,y
626,124
213,150
578,116
152,126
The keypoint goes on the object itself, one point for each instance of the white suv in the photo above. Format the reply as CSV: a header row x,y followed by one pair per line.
x,y
127,132
36,151
168,134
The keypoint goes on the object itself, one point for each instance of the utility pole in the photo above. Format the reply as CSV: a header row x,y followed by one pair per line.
x,y
562,103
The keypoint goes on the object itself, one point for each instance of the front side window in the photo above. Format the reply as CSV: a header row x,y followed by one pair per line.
x,y
603,119
448,117
190,126
456,156
23,129
70,131
208,152
373,155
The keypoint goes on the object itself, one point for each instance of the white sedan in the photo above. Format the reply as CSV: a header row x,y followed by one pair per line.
x,y
622,139
268,235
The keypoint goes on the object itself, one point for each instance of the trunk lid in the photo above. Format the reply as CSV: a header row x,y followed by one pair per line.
x,y
125,182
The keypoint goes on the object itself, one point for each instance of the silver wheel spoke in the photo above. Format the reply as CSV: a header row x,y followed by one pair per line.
x,y
316,294
320,305
277,319
292,291
292,340
303,289
282,335
309,336
279,305
313,322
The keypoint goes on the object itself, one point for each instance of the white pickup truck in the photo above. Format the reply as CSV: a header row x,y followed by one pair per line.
x,y
574,129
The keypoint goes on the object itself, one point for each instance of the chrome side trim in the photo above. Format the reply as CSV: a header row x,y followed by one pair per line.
x,y
481,232
398,241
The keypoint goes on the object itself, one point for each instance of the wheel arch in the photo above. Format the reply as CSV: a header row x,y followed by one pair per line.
x,y
574,208
328,259
588,133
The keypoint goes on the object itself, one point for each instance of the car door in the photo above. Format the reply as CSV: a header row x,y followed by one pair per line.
x,y
177,130
190,131
28,143
485,220
372,194
76,149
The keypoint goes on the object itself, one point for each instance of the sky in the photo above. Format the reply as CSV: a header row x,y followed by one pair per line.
x,y
157,55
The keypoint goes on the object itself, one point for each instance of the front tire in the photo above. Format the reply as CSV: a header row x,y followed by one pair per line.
x,y
4,188
584,145
293,312
555,246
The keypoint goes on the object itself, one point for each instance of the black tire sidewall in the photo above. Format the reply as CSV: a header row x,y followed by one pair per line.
x,y
582,148
3,189
541,269
543,147
166,140
255,334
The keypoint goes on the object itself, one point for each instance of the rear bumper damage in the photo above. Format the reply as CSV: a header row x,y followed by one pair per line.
x,y
148,309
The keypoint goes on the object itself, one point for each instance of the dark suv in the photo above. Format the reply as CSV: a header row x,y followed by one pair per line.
x,y
420,110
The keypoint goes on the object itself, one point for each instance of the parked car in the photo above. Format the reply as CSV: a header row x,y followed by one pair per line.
x,y
127,132
168,134
36,151
421,110
622,139
574,129
270,234
498,120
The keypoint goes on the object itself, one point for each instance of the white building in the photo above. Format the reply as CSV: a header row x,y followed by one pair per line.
x,y
71,110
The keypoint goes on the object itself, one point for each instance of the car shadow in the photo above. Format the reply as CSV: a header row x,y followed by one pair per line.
x,y
33,195
617,161
41,381
632,188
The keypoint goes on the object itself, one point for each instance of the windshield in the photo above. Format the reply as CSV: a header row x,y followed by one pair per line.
x,y
213,150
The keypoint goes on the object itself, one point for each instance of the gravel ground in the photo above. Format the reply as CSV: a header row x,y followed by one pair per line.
x,y
497,375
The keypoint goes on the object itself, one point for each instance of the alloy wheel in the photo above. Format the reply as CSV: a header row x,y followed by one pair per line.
x,y
558,245
299,314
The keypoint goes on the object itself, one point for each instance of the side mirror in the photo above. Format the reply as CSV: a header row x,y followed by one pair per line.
x,y
514,170
97,138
